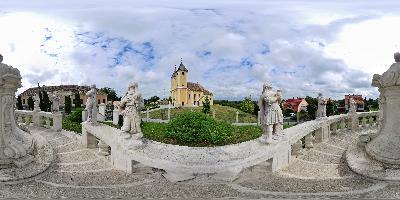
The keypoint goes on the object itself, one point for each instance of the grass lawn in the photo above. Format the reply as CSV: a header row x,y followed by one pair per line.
x,y
156,132
224,113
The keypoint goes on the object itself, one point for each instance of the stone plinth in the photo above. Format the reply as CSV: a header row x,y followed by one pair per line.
x,y
386,146
16,145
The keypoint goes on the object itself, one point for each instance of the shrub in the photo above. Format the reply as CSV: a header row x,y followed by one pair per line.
x,y
195,127
67,104
76,116
206,106
71,126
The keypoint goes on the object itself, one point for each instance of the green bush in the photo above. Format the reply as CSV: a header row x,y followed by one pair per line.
x,y
71,126
195,127
76,116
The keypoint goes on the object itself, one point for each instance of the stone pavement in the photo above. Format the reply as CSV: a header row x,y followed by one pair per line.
x,y
80,173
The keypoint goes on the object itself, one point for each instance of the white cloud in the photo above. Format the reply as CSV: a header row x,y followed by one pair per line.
x,y
229,47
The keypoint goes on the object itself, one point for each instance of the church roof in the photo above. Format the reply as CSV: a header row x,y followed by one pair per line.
x,y
198,88
182,67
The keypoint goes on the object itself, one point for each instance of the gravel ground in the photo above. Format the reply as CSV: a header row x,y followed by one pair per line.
x,y
80,173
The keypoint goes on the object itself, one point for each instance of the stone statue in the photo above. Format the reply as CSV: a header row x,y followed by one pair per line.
x,y
130,106
352,106
16,145
56,103
91,104
36,102
271,114
385,147
322,101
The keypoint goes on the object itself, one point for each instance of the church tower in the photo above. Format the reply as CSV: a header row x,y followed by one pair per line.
x,y
179,89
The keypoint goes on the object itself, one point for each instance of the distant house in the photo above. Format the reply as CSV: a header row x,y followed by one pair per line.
x,y
62,91
296,105
357,98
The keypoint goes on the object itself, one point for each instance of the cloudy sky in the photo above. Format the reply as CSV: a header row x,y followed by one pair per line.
x,y
230,47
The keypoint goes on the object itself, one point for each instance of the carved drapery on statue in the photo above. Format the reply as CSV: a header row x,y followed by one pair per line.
x,y
271,114
385,147
130,106
91,105
16,145
322,101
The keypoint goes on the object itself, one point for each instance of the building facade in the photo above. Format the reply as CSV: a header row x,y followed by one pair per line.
x,y
63,91
184,93
296,105
357,98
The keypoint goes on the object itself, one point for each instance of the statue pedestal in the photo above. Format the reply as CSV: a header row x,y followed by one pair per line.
x,y
386,146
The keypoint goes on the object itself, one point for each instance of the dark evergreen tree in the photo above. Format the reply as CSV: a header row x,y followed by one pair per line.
x,y
30,103
312,107
67,105
331,108
45,102
19,103
111,94
206,106
78,103
41,103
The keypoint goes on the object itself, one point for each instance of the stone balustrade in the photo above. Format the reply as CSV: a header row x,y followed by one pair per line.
x,y
43,119
222,162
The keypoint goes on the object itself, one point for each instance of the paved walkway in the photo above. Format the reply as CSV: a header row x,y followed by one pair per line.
x,y
81,173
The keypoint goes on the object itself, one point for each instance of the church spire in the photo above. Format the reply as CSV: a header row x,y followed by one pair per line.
x,y
182,67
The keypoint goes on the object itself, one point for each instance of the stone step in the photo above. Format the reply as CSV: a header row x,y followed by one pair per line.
x,y
306,170
101,178
321,158
76,157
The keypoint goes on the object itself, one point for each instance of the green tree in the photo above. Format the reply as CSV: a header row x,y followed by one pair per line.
x,y
247,105
111,94
331,108
30,103
303,115
312,107
19,103
41,103
67,105
45,102
154,99
206,106
78,103
287,112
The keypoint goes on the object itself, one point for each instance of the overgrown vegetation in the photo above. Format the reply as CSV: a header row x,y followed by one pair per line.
x,y
198,129
67,105
31,104
73,121
225,113
206,106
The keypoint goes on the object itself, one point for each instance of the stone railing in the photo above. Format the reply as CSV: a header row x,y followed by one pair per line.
x,y
306,134
43,119
222,162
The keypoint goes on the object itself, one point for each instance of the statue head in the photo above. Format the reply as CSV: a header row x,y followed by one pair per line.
x,y
319,94
1,58
133,86
267,86
397,57
93,86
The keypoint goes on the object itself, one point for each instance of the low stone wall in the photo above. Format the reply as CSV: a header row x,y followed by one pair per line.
x,y
222,162
42,119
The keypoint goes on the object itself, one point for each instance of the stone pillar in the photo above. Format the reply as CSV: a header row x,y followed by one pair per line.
x,y
237,116
88,140
103,148
57,121
84,115
386,146
297,147
364,121
334,128
309,141
47,121
115,117
16,145
169,111
322,134
102,109
36,118
353,122
342,124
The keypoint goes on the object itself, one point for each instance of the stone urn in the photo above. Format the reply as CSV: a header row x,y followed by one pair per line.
x,y
16,145
385,147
